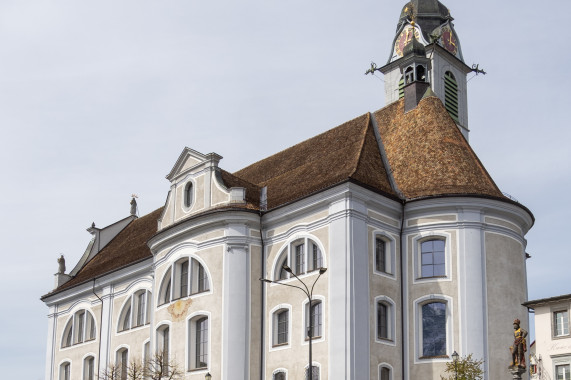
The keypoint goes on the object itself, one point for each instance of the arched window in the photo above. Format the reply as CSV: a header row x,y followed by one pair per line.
x,y
89,368
80,328
280,375
302,256
122,360
433,321
451,95
65,371
188,194
385,328
139,303
190,278
198,342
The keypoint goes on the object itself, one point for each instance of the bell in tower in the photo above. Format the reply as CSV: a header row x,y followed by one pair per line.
x,y
426,49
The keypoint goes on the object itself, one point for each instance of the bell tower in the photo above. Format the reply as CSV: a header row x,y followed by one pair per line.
x,y
429,23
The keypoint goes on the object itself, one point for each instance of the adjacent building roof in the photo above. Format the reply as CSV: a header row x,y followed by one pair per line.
x,y
545,301
403,156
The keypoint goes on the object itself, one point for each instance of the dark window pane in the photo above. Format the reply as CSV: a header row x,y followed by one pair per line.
x,y
434,329
382,321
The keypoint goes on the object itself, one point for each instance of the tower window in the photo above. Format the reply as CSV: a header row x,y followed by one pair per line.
x,y
409,75
451,95
420,73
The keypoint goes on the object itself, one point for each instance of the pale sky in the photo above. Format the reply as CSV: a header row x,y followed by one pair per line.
x,y
98,99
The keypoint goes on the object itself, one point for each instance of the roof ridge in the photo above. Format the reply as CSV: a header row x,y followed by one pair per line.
x,y
384,157
363,139
316,137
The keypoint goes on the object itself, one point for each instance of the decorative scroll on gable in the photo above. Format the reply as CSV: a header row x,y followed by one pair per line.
x,y
196,186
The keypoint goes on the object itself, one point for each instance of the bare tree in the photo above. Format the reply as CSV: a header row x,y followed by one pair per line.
x,y
112,372
133,371
160,367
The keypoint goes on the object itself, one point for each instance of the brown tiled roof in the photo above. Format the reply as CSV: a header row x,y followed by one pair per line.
x,y
428,154
349,151
128,247
425,150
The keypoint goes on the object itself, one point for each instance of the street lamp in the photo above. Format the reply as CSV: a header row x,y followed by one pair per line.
x,y
455,358
208,376
309,294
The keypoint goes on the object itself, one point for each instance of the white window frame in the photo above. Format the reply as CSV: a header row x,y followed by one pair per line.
x,y
119,360
61,367
159,331
388,366
190,357
274,327
390,249
417,259
315,365
72,325
131,305
85,368
305,315
172,274
560,360
418,303
289,251
279,370
391,322
554,311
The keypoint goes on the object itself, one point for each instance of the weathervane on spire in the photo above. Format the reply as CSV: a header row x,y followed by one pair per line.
x,y
411,12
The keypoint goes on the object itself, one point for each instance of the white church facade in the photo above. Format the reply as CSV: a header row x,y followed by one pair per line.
x,y
424,255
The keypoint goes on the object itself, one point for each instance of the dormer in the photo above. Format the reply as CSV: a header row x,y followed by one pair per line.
x,y
197,186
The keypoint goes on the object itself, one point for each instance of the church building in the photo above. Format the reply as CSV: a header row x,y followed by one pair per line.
x,y
413,250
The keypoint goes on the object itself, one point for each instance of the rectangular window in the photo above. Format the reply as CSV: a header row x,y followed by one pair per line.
x,y
202,343
433,262
314,373
80,327
561,323
283,322
314,321
184,279
124,364
380,256
316,260
563,372
299,259
141,308
385,373
434,329
166,339
382,321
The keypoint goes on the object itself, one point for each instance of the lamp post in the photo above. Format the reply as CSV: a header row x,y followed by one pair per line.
x,y
309,294
455,358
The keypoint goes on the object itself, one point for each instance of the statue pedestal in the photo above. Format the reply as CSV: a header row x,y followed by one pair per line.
x,y
517,372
